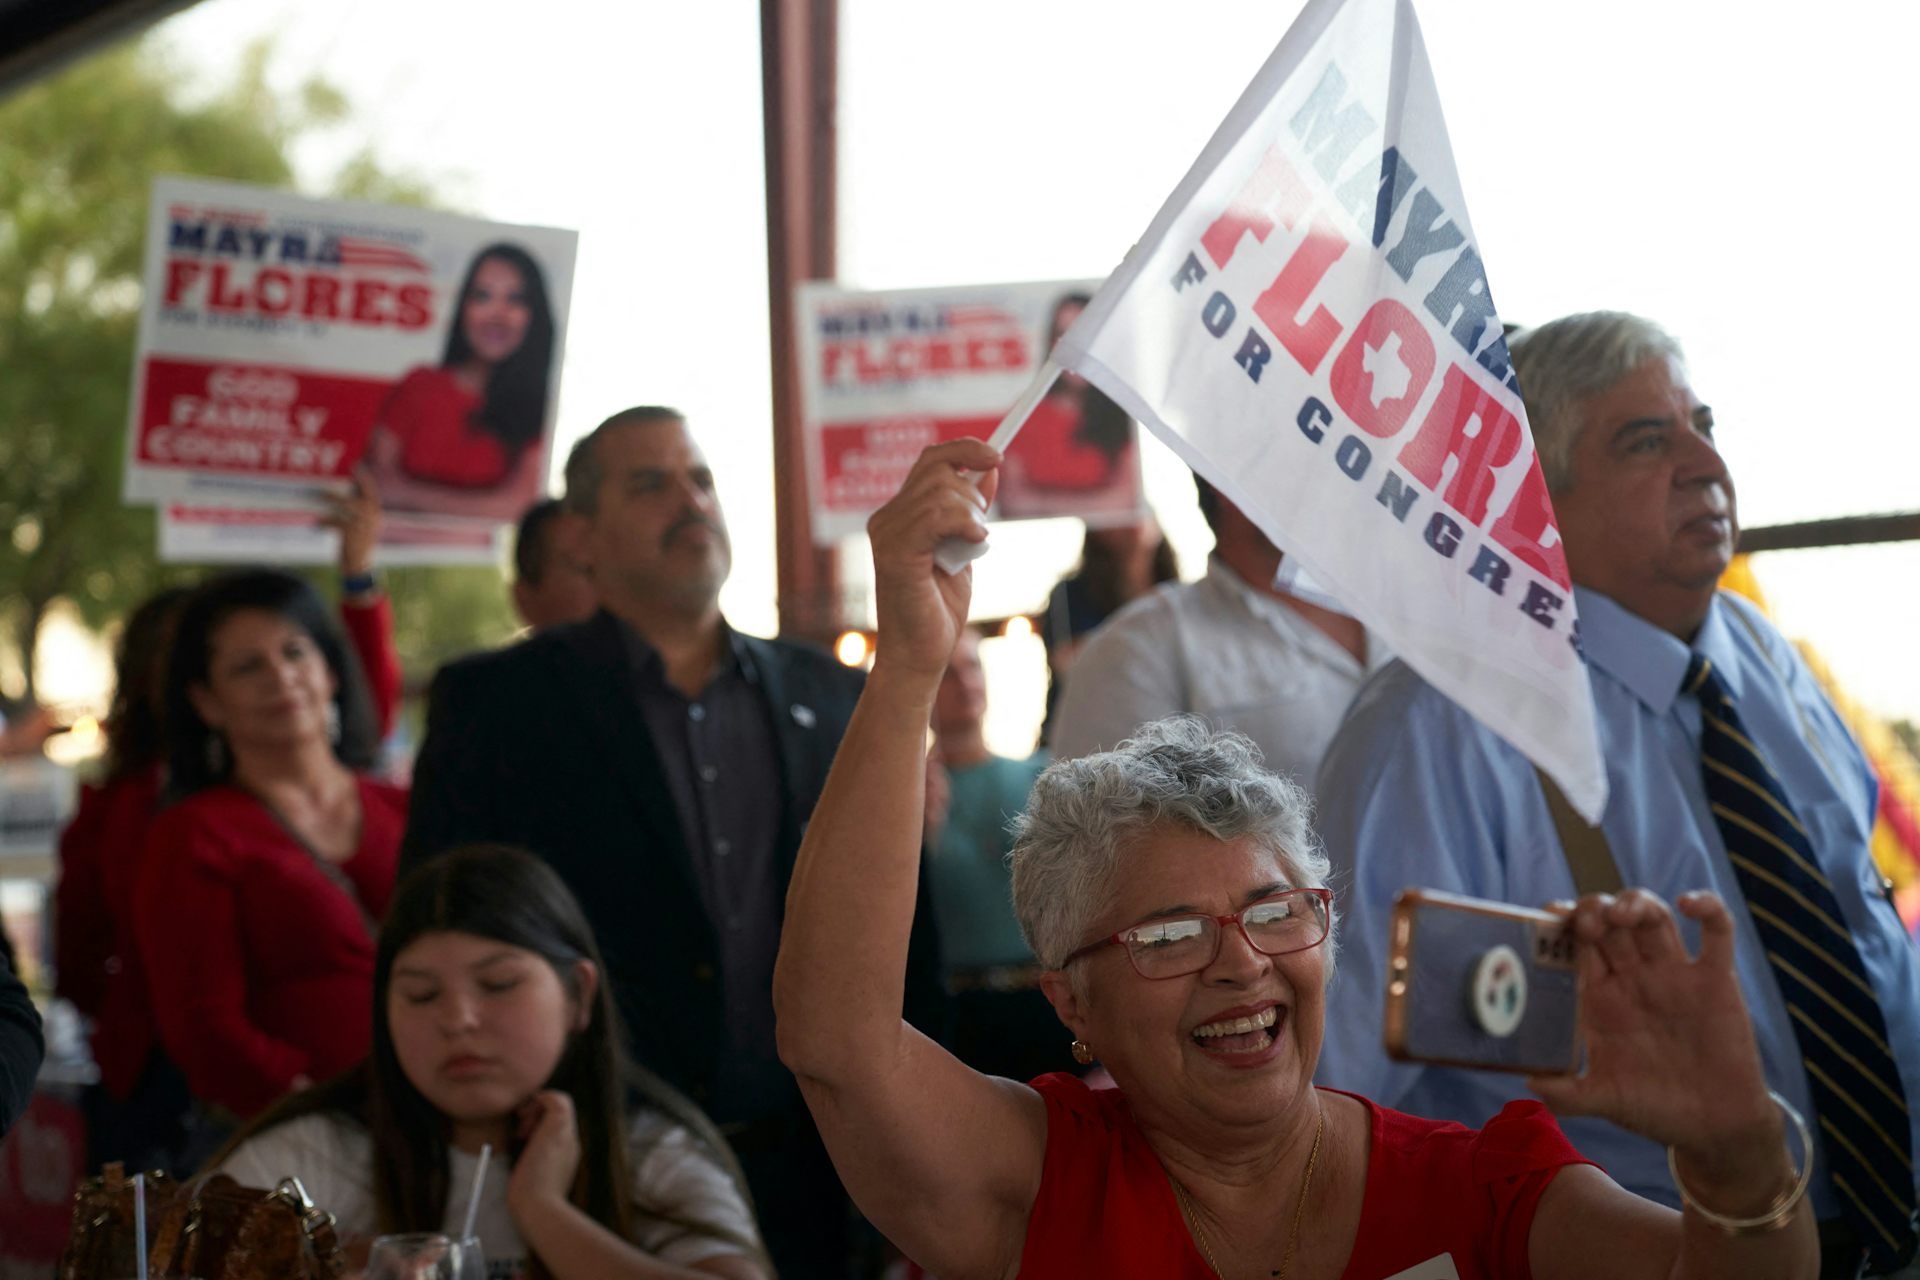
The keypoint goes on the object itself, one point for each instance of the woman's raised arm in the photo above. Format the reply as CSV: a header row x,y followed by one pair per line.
x,y
942,1159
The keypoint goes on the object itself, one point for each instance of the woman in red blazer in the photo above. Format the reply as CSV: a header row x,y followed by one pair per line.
x,y
133,1115
261,884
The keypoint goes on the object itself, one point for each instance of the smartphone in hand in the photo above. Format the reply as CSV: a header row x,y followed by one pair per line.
x,y
1481,984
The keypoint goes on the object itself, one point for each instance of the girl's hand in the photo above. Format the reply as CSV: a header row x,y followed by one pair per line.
x,y
544,1172
922,607
1670,1048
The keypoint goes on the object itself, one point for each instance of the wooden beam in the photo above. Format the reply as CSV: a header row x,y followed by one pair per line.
x,y
1842,531
799,64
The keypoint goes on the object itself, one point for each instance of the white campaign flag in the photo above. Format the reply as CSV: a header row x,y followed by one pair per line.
x,y
1307,323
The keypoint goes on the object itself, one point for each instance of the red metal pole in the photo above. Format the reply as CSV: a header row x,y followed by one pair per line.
x,y
799,61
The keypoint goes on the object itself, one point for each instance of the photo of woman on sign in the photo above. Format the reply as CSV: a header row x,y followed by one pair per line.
x,y
463,437
1077,455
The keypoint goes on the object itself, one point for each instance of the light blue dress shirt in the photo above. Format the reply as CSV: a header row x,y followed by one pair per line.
x,y
1415,792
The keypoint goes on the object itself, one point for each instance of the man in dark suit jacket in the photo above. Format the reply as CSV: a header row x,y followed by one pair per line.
x,y
666,765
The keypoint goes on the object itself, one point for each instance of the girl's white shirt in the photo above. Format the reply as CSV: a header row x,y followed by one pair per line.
x,y
675,1181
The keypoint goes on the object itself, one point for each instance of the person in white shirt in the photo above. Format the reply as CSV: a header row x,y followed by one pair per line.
x,y
1232,648
493,1028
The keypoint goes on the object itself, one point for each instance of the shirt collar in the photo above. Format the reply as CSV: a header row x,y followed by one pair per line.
x,y
1225,582
1717,641
1651,662
645,662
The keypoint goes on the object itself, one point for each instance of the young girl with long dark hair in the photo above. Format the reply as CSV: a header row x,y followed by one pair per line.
x,y
493,1025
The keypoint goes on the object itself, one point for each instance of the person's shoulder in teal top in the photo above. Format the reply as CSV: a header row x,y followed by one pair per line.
x,y
971,883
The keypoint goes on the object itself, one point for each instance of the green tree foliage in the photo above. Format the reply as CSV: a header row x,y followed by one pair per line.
x,y
440,613
77,157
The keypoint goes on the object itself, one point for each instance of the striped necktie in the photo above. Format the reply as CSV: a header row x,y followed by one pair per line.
x,y
1851,1077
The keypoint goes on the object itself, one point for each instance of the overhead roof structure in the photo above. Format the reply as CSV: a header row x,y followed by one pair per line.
x,y
39,36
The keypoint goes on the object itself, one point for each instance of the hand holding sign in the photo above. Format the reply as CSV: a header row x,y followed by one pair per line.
x,y
356,514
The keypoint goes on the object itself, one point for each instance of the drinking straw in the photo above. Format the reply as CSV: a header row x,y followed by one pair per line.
x,y
473,1196
140,1225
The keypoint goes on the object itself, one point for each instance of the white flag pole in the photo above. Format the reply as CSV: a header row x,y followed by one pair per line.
x,y
955,554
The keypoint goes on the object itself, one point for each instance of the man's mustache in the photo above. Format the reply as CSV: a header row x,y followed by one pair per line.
x,y
687,521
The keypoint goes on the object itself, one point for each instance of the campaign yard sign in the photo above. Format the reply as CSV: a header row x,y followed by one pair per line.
x,y
885,374
1308,323
286,340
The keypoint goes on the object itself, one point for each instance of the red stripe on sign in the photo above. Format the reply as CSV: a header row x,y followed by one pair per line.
x,y
978,315
380,258
248,517
377,252
382,264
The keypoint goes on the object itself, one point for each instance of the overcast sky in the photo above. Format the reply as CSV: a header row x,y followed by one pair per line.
x,y
1737,176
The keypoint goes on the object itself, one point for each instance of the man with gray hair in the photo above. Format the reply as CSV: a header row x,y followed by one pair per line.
x,y
666,765
1728,770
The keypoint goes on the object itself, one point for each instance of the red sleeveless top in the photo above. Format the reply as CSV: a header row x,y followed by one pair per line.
x,y
1437,1193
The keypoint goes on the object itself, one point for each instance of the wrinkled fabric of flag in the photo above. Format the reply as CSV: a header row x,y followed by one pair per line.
x,y
1308,324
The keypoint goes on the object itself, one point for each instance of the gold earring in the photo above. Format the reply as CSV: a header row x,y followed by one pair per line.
x,y
1082,1053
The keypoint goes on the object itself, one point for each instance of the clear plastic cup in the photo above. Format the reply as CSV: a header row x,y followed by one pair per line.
x,y
426,1255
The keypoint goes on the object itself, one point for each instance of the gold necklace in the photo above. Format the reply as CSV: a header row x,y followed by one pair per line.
x,y
1293,1232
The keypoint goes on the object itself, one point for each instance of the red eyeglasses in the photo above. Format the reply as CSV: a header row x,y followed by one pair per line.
x,y
1173,946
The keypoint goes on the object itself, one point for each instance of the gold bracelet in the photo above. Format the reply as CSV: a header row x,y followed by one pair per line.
x,y
1781,1213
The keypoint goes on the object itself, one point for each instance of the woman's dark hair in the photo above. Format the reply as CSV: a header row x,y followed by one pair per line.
x,y
515,407
134,738
1104,425
1076,298
193,762
506,895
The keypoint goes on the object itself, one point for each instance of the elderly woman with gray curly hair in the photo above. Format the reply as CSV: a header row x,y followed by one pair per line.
x,y
1174,893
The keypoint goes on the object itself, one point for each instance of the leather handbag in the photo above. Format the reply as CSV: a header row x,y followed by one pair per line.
x,y
209,1228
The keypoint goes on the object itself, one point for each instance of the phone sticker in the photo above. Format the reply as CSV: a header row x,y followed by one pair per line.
x,y
1499,991
1438,1267
1552,945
